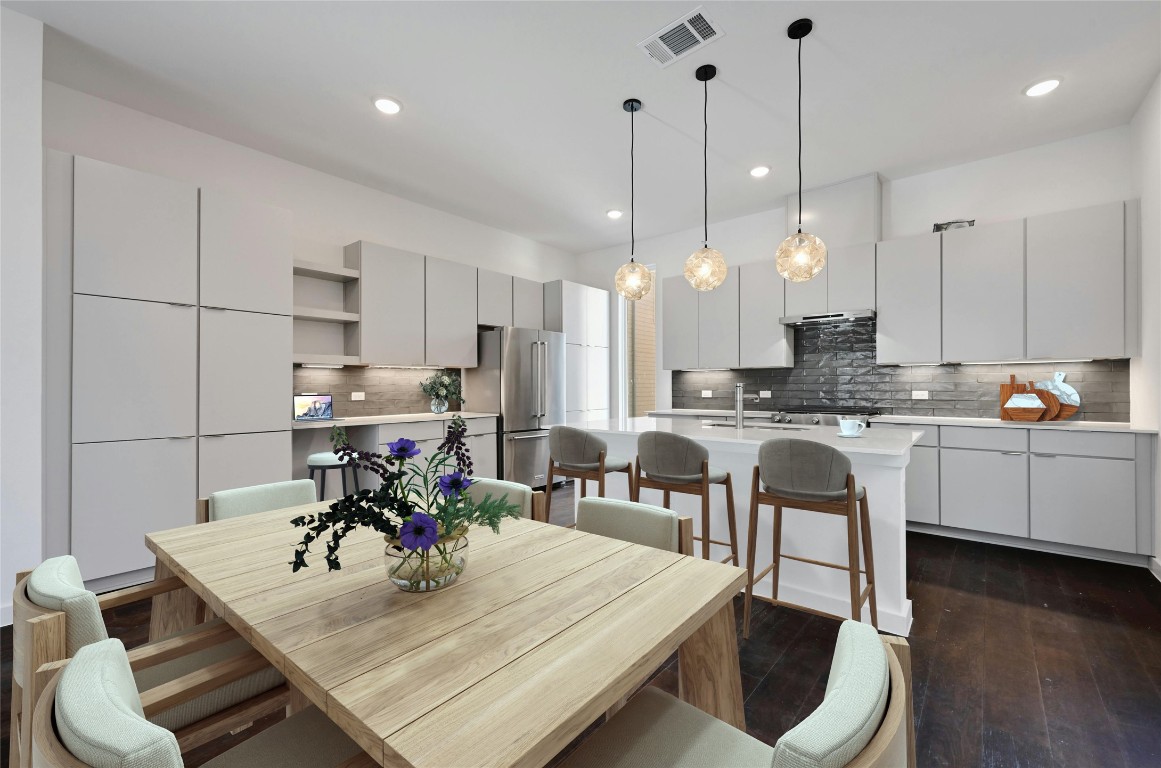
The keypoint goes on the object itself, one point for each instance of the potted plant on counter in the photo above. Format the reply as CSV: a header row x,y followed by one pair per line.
x,y
421,507
443,385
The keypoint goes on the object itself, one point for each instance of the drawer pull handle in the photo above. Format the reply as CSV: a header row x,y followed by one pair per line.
x,y
1045,455
1011,453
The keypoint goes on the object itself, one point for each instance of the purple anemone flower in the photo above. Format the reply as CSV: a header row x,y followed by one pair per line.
x,y
454,484
402,448
419,532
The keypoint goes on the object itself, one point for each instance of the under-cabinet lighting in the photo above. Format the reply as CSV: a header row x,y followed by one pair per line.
x,y
1030,362
320,365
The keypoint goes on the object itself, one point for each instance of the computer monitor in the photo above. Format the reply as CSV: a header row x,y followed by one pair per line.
x,y
313,408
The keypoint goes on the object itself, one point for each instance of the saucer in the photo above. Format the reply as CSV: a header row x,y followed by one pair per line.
x,y
840,434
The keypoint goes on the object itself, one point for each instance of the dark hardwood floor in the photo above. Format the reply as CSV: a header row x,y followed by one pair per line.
x,y
1021,659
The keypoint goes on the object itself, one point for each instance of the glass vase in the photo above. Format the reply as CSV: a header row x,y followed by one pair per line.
x,y
414,570
438,405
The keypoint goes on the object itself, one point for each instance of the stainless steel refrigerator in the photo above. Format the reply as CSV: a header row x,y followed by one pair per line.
x,y
521,377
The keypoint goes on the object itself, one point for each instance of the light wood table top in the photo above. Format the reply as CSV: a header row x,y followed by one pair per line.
x,y
546,629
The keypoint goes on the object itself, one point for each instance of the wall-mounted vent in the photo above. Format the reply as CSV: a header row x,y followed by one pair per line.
x,y
679,39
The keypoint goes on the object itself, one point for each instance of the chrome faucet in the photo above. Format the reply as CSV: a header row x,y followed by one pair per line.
x,y
740,403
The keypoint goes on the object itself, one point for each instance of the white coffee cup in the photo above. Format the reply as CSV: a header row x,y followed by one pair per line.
x,y
851,427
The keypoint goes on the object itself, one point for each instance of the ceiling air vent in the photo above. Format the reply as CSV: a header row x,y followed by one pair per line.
x,y
680,38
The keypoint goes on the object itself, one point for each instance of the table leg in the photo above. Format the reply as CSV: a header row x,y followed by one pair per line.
x,y
709,673
173,611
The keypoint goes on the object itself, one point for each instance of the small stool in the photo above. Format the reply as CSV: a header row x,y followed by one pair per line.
x,y
582,456
322,462
802,474
676,464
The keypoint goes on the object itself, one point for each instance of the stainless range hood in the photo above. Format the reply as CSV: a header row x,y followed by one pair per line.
x,y
827,317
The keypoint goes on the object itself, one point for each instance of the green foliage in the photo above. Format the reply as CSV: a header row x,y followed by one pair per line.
x,y
444,385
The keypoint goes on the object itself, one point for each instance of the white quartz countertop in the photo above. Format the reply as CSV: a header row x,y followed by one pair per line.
x,y
392,418
1075,426
885,442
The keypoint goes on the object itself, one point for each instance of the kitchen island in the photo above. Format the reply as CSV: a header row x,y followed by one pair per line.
x,y
879,461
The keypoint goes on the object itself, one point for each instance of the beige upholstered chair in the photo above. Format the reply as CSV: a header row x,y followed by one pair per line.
x,y
531,502
582,456
54,617
637,523
802,474
92,714
253,499
864,721
676,464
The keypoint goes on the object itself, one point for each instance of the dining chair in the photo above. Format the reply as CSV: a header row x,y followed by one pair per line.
x,y
93,714
54,617
637,523
531,502
253,499
582,456
864,721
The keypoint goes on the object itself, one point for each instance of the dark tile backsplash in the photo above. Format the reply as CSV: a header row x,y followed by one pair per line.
x,y
834,366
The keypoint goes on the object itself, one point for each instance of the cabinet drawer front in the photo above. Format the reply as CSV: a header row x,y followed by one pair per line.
x,y
984,491
1110,445
1087,502
481,426
413,430
930,432
984,438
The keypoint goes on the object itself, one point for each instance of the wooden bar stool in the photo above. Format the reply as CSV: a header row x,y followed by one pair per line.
x,y
676,464
802,474
582,456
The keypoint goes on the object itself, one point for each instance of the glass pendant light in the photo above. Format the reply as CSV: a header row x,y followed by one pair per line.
x,y
705,269
633,281
802,255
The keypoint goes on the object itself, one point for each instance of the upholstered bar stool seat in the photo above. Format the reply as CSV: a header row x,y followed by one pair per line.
x,y
803,474
582,456
326,461
676,464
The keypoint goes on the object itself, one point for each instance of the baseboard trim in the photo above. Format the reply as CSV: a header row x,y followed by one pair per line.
x,y
1108,556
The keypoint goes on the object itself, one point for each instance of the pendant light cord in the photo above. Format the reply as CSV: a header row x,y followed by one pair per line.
x,y
632,184
705,164
800,135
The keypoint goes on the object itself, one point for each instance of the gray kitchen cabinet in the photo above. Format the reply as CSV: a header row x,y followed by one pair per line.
x,y
1076,283
850,277
576,381
984,490
493,298
718,324
679,325
763,342
907,300
135,235
923,485
566,310
123,490
451,314
527,303
238,461
484,449
596,317
389,297
808,298
597,378
245,381
1090,502
135,369
247,255
983,293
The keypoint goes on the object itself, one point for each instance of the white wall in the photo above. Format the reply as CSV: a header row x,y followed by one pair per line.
x,y
21,301
329,212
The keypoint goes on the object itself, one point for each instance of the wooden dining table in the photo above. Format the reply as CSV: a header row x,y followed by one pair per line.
x,y
546,629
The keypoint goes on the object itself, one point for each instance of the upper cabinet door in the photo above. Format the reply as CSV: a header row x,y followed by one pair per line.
x,y
596,317
907,300
493,298
135,369
983,293
679,324
451,314
247,255
763,342
135,235
391,307
574,313
718,324
527,303
850,277
1076,283
245,378
808,298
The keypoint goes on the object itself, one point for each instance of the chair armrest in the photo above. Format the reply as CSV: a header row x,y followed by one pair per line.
x,y
205,636
201,681
140,592
538,507
685,535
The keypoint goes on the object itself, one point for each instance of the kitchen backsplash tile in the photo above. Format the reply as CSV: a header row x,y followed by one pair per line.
x,y
388,390
834,366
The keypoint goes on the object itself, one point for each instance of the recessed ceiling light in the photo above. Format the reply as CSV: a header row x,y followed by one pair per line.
x,y
388,106
614,214
1041,88
759,172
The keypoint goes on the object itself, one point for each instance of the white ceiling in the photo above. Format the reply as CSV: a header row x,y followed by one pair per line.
x,y
512,110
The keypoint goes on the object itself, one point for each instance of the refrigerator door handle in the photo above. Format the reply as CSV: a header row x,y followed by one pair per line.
x,y
543,379
536,379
